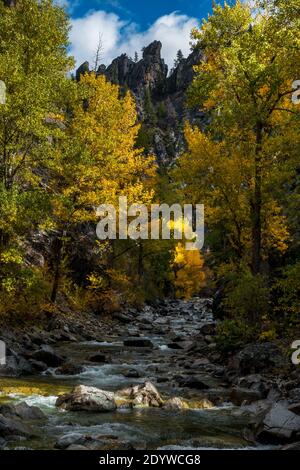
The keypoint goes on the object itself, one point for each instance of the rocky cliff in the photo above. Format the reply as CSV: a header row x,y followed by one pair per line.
x,y
160,97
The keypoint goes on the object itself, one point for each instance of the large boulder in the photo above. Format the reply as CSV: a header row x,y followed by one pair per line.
x,y
70,439
47,355
84,398
14,427
142,395
279,424
15,367
21,410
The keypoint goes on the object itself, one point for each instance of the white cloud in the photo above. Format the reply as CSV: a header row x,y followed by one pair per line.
x,y
172,30
84,35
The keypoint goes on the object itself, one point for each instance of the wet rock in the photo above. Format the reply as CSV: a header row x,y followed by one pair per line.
x,y
70,439
113,445
142,395
63,336
122,318
15,367
295,408
132,374
198,363
192,382
239,395
203,404
258,409
293,446
47,355
175,346
175,404
22,411
77,447
84,398
38,365
255,382
14,427
99,357
138,343
69,368
279,424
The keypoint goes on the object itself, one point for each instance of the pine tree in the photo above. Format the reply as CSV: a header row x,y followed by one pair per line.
x,y
179,58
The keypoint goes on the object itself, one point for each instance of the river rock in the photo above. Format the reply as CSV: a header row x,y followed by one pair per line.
x,y
239,395
122,318
175,403
255,382
131,374
138,343
47,355
77,447
14,427
21,410
279,424
99,358
295,408
38,365
192,382
84,398
293,446
69,368
142,395
15,367
70,439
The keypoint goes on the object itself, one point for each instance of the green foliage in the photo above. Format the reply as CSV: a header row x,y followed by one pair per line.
x,y
149,109
247,297
145,138
232,334
288,291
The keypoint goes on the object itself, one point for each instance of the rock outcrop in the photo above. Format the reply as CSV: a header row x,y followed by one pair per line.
x,y
160,98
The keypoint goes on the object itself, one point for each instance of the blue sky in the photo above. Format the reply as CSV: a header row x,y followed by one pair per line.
x,y
129,25
142,12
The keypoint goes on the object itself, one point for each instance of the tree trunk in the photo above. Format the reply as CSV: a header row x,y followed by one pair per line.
x,y
57,247
140,262
256,205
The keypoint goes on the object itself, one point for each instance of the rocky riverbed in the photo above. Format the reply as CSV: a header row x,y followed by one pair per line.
x,y
150,378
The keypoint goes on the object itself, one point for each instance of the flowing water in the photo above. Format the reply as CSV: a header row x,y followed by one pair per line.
x,y
146,428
